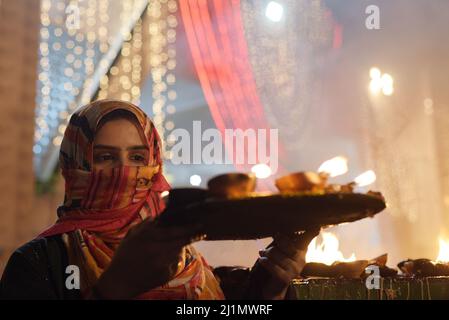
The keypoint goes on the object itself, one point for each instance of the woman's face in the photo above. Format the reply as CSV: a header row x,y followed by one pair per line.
x,y
119,143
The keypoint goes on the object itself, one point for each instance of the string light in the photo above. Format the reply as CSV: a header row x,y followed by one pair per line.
x,y
89,66
136,60
69,57
44,78
162,55
380,82
195,180
118,84
103,30
274,11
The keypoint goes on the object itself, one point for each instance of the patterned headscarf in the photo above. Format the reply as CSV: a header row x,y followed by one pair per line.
x,y
101,205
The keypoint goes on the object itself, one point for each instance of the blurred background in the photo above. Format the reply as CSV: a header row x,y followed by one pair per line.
x,y
366,80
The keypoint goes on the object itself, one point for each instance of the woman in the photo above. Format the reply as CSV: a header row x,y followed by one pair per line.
x,y
107,227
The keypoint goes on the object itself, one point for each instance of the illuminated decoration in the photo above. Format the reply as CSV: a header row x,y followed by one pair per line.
x,y
79,42
41,135
124,77
162,30
195,180
284,59
274,11
148,50
135,69
103,35
400,138
380,82
217,43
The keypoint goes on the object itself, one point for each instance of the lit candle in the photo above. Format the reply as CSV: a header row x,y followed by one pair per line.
x,y
334,167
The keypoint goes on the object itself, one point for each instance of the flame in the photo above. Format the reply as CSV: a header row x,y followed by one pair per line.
x,y
327,252
261,170
365,179
443,255
334,167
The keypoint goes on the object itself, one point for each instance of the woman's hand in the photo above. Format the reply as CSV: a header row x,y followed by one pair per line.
x,y
284,261
146,258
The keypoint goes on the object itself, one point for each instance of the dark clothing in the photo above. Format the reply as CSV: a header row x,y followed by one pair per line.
x,y
37,271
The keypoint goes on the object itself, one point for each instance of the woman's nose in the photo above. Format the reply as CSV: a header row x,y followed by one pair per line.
x,y
123,159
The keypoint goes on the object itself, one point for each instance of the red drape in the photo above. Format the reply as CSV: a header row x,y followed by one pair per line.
x,y
217,43
337,30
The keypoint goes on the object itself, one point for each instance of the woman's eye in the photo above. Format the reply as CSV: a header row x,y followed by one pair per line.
x,y
137,157
104,157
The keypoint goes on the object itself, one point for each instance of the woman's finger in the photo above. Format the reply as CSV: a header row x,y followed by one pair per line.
x,y
285,245
286,263
300,241
275,270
